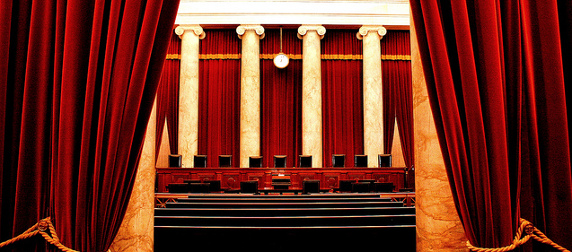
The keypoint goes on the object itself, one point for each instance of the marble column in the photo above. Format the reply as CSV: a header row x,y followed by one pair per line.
x,y
438,225
189,92
137,229
312,91
250,91
372,91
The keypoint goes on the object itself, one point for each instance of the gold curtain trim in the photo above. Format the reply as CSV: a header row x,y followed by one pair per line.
x,y
291,56
173,57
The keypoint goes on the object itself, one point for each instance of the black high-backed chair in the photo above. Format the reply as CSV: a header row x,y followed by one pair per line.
x,y
280,161
384,160
310,186
214,185
175,160
225,161
360,160
383,187
345,185
338,160
370,181
249,186
199,187
305,161
255,161
178,187
360,187
200,161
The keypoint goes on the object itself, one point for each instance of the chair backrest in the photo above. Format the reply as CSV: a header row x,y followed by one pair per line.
x,y
214,185
199,187
305,161
178,187
384,160
360,160
360,187
338,160
383,187
255,161
225,161
200,161
280,161
311,186
345,185
175,160
249,186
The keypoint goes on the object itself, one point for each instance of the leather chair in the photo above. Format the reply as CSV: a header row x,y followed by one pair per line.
x,y
310,186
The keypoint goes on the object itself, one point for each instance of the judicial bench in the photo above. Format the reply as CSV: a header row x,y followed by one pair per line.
x,y
330,178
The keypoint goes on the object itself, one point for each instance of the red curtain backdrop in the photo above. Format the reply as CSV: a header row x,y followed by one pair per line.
x,y
219,96
398,95
342,99
496,79
168,97
77,81
281,111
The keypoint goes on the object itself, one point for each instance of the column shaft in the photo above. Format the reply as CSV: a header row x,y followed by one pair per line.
x,y
189,92
372,92
137,228
312,92
250,91
438,225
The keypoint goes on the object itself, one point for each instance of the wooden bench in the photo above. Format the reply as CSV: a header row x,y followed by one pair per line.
x,y
244,212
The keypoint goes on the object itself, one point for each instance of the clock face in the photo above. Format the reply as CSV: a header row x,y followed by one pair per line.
x,y
281,60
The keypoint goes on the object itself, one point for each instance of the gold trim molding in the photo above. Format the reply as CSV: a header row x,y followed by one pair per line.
x,y
237,56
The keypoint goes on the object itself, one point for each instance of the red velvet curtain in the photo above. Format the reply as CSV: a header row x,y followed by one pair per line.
x,y
168,97
496,80
398,95
281,111
219,96
342,99
78,80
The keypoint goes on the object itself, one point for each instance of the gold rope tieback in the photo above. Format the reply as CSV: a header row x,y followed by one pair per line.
x,y
40,228
530,230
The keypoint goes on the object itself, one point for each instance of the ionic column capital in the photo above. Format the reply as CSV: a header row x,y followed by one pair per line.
x,y
303,30
258,29
366,29
196,29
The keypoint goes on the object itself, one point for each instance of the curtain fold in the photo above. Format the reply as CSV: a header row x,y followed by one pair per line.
x,y
497,87
219,96
79,80
168,97
342,97
398,95
281,89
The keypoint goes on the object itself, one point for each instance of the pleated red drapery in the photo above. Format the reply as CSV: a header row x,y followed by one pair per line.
x,y
219,96
398,95
496,77
281,94
168,98
77,82
342,96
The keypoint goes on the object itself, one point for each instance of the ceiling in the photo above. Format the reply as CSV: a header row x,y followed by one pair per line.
x,y
393,14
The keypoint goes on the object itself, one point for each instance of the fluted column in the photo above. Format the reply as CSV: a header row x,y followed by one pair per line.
x,y
137,228
312,91
438,225
189,91
372,91
250,91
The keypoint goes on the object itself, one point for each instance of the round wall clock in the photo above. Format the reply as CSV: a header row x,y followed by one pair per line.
x,y
281,60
